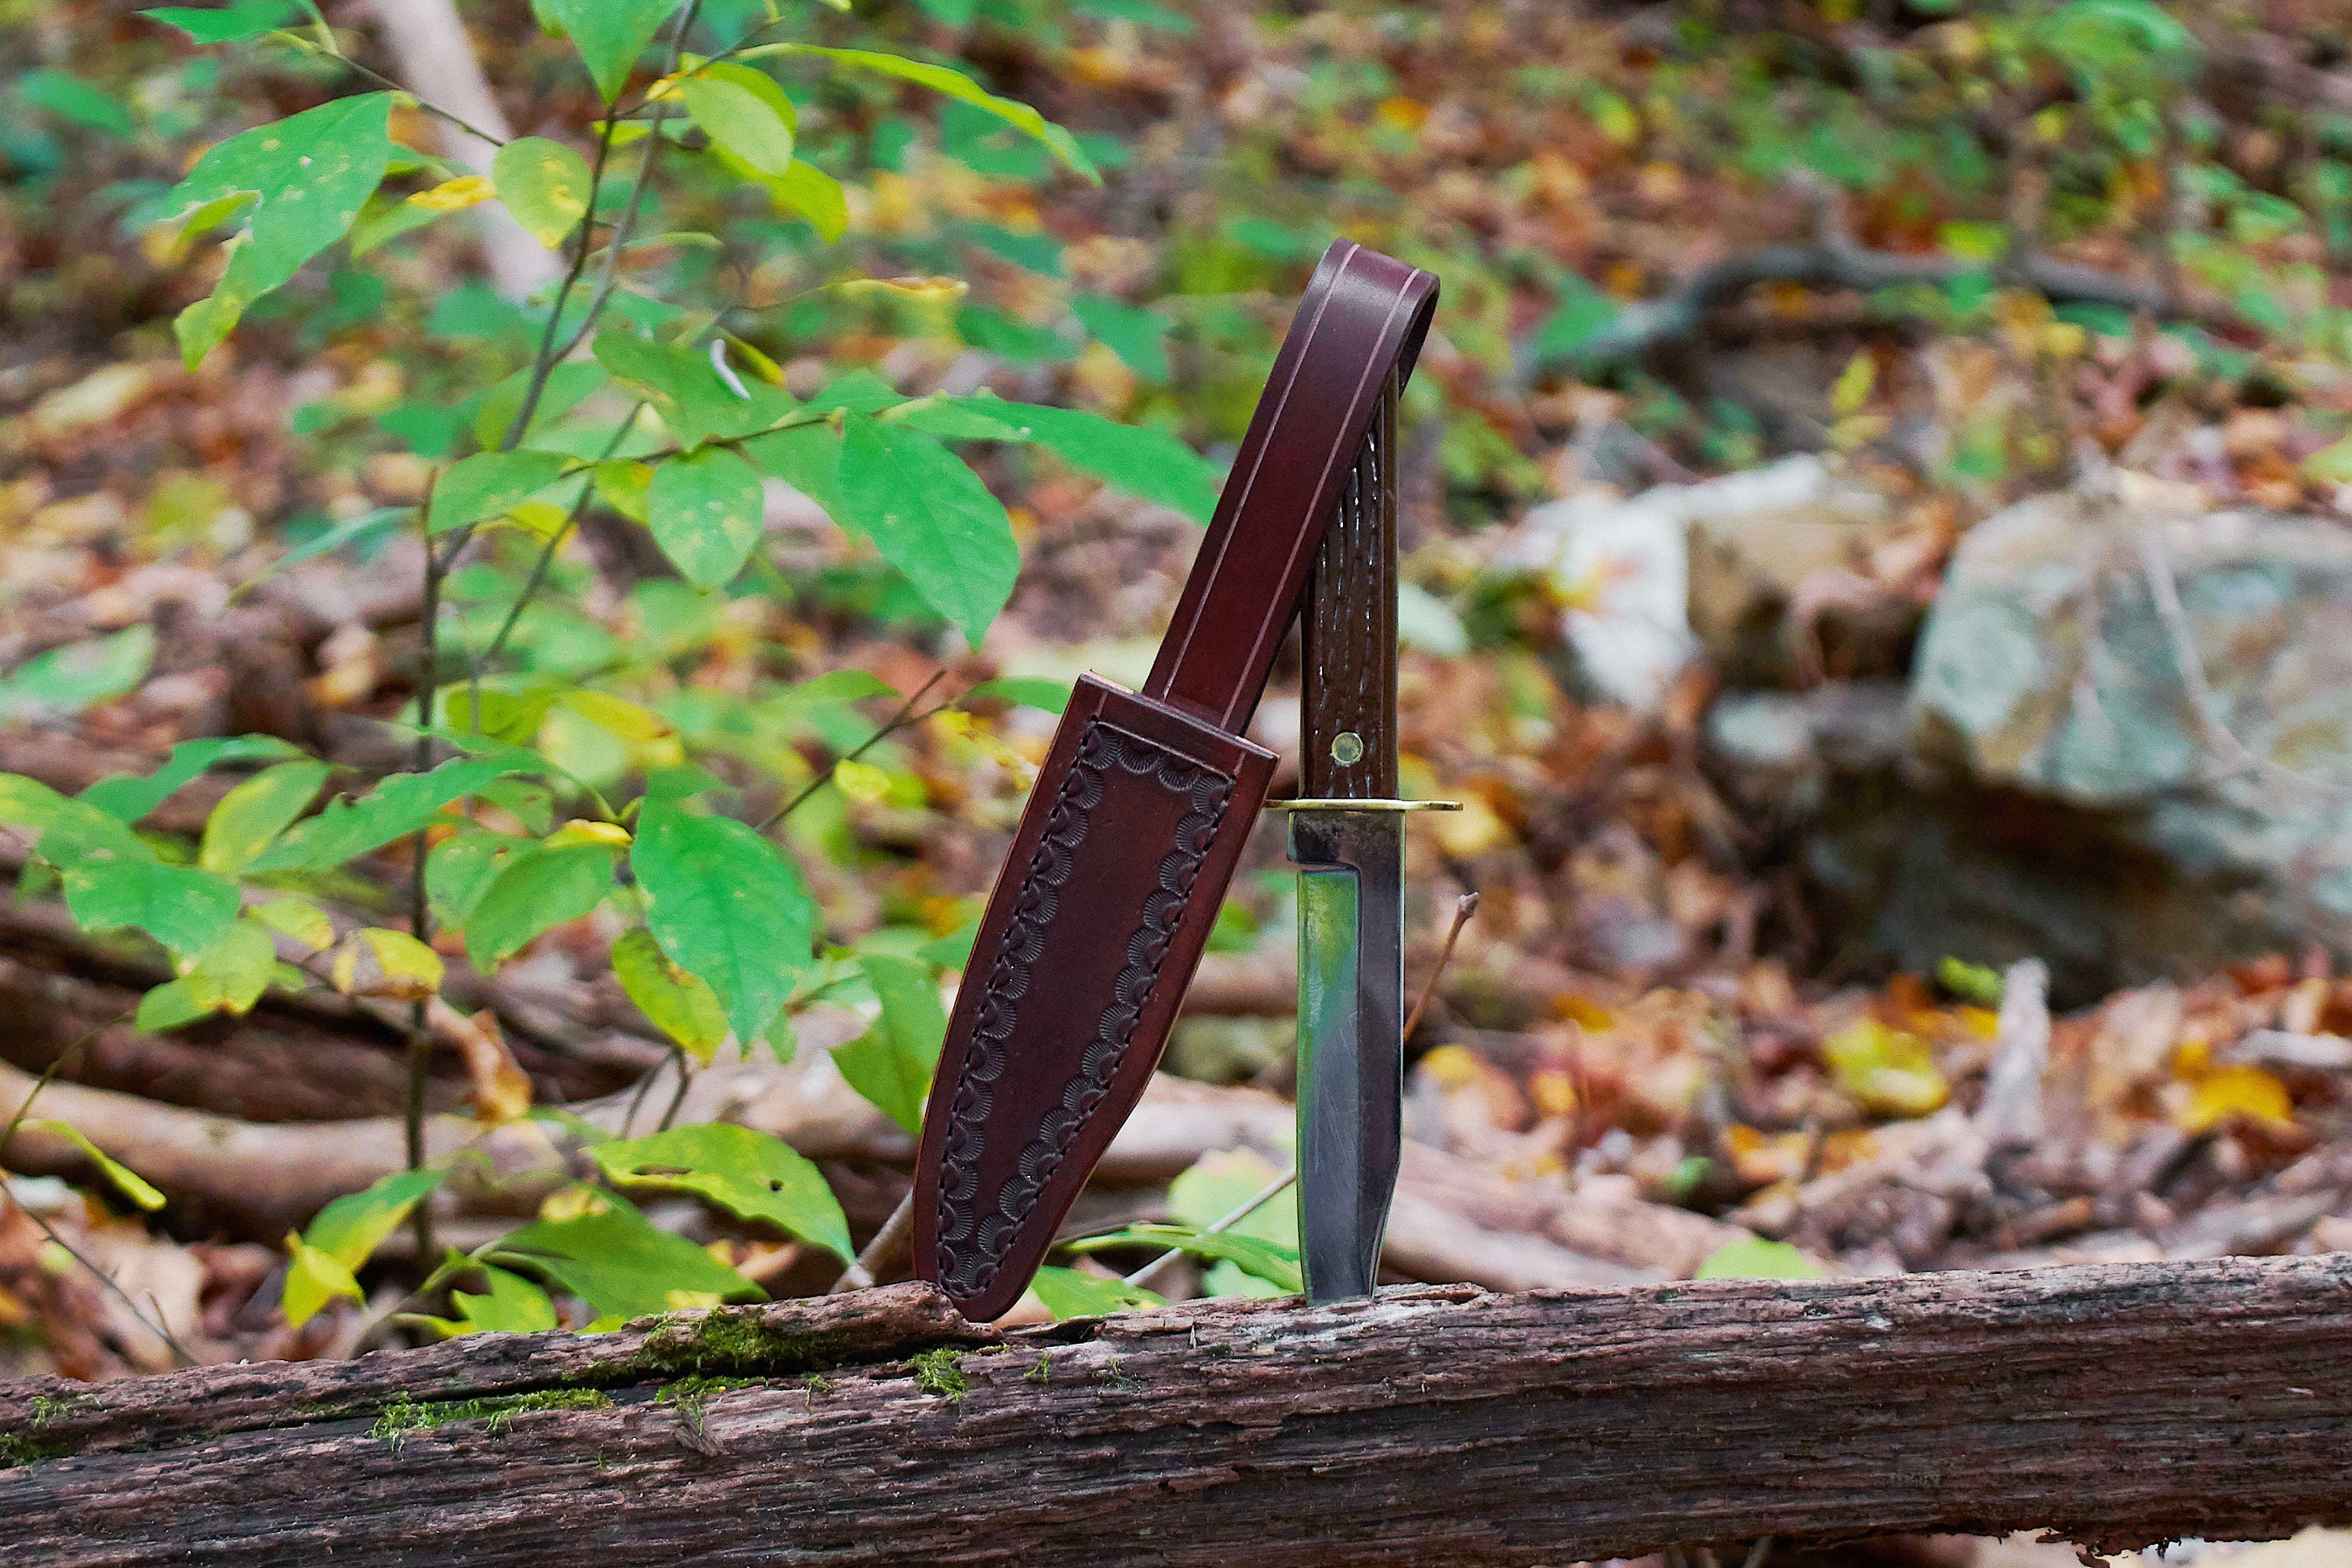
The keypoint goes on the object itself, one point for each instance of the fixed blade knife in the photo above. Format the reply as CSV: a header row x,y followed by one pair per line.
x,y
1139,818
1347,837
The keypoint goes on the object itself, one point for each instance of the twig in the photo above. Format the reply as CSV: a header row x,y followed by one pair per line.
x,y
905,718
155,1326
627,225
889,1244
57,1065
1464,908
1257,1200
420,912
377,77
677,1098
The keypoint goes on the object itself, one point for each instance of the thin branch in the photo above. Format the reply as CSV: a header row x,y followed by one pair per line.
x,y
152,1325
677,1097
628,224
48,1074
905,718
377,77
1257,1200
1464,908
885,1250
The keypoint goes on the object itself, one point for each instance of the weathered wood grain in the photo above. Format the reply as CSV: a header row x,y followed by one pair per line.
x,y
2114,1404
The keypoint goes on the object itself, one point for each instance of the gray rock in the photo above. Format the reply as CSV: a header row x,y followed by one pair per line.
x,y
2189,673
2125,748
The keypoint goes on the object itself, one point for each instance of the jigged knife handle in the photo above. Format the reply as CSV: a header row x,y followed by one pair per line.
x,y
1138,817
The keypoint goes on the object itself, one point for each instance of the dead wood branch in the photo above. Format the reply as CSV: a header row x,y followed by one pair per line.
x,y
2115,1405
1684,310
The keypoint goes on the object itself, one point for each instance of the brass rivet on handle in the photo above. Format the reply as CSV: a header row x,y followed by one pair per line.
x,y
1346,748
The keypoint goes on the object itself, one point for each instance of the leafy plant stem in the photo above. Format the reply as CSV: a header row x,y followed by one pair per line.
x,y
544,361
541,567
626,227
420,913
1257,1200
58,1064
371,74
677,1097
905,718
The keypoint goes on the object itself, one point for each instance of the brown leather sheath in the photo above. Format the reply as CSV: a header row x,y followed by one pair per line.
x,y
1139,818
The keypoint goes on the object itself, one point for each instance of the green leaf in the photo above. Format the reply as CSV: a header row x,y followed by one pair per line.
x,y
684,391
1145,463
395,808
183,908
705,512
167,1006
231,24
609,34
385,216
568,385
1024,691
681,386
752,1175
725,908
1585,314
954,84
487,484
350,1229
312,1279
544,184
1137,335
294,187
1275,1264
745,112
65,830
1067,1293
65,680
73,98
622,1266
459,869
364,529
230,975
127,798
126,1181
514,1306
256,812
1753,1258
931,518
891,1064
813,194
679,1005
538,888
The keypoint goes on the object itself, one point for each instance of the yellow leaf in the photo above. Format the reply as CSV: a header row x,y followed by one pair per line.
x,y
861,781
1403,114
618,715
1890,1071
1854,383
2246,1092
455,195
909,288
126,1181
539,519
392,964
298,922
580,830
313,1279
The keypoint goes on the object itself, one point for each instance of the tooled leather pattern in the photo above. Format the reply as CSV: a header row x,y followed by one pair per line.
x,y
971,1245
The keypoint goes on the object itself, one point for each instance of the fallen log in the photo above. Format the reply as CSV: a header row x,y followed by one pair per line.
x,y
1453,1220
2115,1405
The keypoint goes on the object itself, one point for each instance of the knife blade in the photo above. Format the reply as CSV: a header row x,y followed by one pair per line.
x,y
1139,819
1346,838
